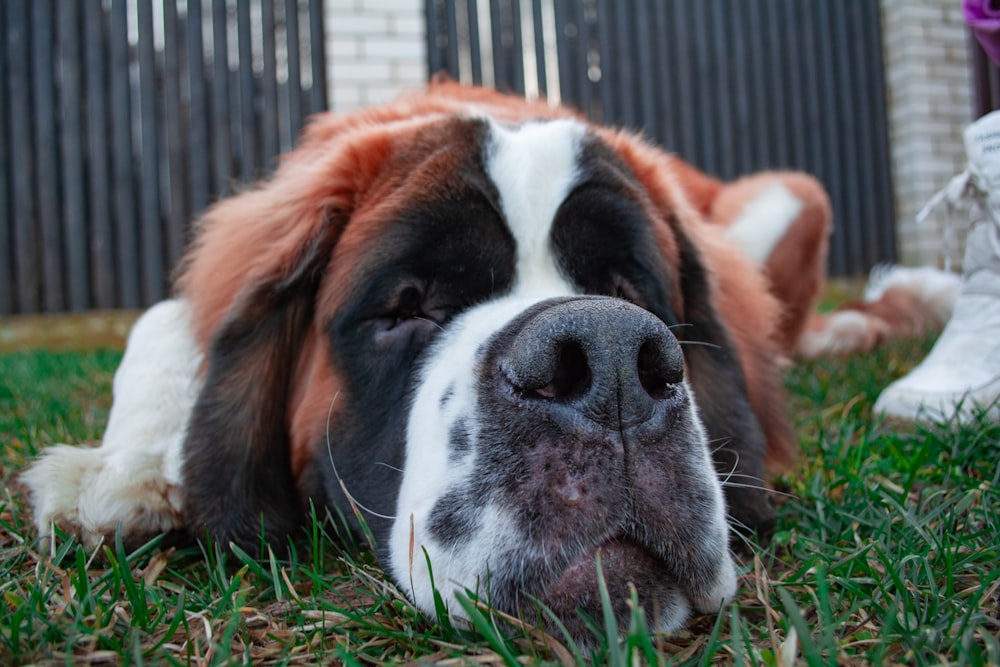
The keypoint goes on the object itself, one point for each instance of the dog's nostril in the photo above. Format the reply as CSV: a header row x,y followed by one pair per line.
x,y
572,374
659,372
571,492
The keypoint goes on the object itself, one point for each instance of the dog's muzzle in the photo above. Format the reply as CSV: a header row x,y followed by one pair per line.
x,y
571,433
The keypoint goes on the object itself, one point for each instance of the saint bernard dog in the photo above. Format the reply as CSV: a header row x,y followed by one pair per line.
x,y
508,339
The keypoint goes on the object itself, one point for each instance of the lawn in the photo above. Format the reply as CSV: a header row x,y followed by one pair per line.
x,y
887,552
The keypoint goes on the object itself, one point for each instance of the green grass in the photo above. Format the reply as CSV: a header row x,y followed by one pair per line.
x,y
887,552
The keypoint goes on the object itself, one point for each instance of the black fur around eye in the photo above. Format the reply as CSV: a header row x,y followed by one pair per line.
x,y
409,306
407,319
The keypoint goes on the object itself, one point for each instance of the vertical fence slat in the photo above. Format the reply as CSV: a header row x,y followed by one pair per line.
x,y
270,141
538,45
720,86
704,108
623,79
810,73
505,74
172,158
666,70
742,131
450,37
584,27
776,58
294,71
71,154
851,111
221,141
865,159
609,62
46,176
566,35
828,100
198,116
318,93
683,110
124,169
23,206
247,132
648,79
436,53
475,48
516,52
6,216
102,257
150,236
882,182
795,42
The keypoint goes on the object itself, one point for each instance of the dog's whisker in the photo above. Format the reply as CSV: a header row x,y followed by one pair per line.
x,y
724,477
741,531
386,465
329,453
773,492
427,319
722,442
699,342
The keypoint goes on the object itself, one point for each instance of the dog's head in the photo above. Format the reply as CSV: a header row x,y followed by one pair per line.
x,y
504,337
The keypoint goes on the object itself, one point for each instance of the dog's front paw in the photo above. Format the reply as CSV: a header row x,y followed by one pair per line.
x,y
87,495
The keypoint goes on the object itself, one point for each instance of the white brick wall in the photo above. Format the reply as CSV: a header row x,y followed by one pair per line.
x,y
930,102
376,49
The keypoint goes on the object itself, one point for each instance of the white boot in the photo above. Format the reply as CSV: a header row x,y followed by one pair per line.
x,y
961,375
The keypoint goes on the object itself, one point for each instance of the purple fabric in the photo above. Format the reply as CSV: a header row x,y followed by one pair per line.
x,y
983,16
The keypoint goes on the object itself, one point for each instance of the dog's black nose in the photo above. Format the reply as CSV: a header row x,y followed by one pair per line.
x,y
607,359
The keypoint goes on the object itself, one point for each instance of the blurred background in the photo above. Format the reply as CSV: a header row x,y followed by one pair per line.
x,y
121,120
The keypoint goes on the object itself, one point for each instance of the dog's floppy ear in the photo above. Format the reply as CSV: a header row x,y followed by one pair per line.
x,y
251,278
733,367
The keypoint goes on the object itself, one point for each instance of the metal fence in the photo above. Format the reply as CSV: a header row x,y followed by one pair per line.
x,y
730,85
121,120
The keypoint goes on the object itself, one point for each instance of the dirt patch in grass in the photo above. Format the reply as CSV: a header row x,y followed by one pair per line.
x,y
76,331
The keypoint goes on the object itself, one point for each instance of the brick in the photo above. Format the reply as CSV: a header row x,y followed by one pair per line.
x,y
393,6
340,6
361,71
343,47
346,98
411,73
356,24
384,93
398,48
415,25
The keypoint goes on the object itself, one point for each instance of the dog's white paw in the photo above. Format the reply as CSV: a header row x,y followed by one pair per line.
x,y
88,494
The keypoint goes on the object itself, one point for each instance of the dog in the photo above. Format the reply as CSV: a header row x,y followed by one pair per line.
x,y
508,339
